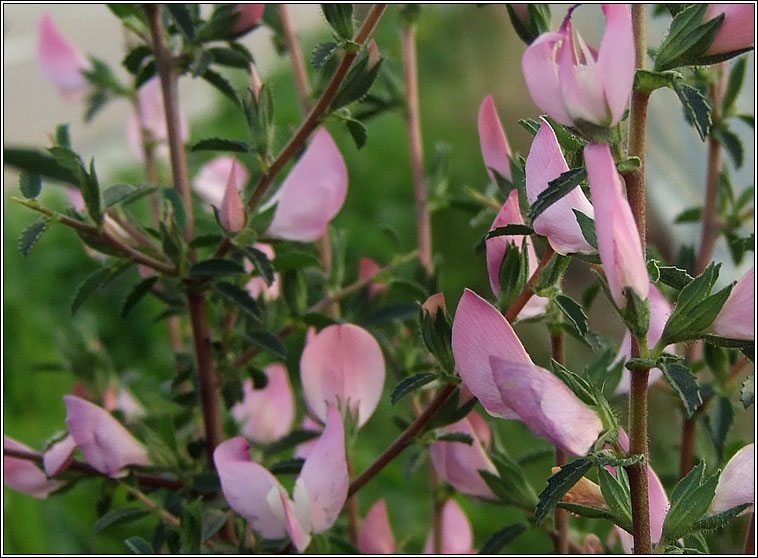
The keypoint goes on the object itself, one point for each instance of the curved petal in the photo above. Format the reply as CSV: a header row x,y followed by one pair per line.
x,y
23,475
736,482
324,474
58,456
581,85
736,318
375,536
737,31
267,414
304,449
494,144
457,536
232,211
104,442
313,192
210,182
60,61
546,405
509,214
540,71
342,362
479,332
298,527
246,486
616,58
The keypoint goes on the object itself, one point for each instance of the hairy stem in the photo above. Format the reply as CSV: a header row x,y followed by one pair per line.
x,y
561,515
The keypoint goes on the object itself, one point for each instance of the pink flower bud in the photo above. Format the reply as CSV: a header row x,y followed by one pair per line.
x,y
367,268
737,31
587,86
375,536
58,456
736,318
434,304
248,17
60,61
255,81
232,211
257,285
617,237
495,149
373,54
736,482
457,536
266,414
211,181
23,475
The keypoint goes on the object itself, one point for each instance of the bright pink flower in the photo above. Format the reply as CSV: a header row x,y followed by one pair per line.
x,y
266,414
211,181
231,214
587,86
367,268
737,31
342,364
257,285
459,463
457,536
510,214
60,61
23,475
104,442
617,237
313,192
736,481
660,310
736,318
58,456
495,149
249,16
558,222
319,494
375,536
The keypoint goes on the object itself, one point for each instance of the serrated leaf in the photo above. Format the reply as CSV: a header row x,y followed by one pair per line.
x,y
119,515
216,267
90,284
38,162
718,520
616,495
136,294
261,263
606,457
340,19
117,193
411,383
581,388
513,273
31,234
747,394
183,19
558,484
687,38
292,439
221,84
356,84
696,107
573,311
674,277
504,536
267,342
509,230
460,437
240,297
690,499
719,419
287,467
30,184
556,189
138,545
685,385
552,272
587,226
221,144
321,53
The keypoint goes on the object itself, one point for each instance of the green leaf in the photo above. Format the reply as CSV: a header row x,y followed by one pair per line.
x,y
340,19
221,144
357,131
31,185
31,234
513,273
294,259
460,437
410,384
191,526
747,394
119,515
555,190
587,511
674,277
573,311
88,286
261,263
177,206
239,297
606,457
321,53
220,82
91,192
213,521
216,267
509,230
581,387
146,73
504,536
718,420
718,520
287,467
124,11
616,494
552,272
133,60
647,81
136,294
636,313
687,38
267,342
38,162
357,82
587,226
691,215
451,411
291,440
558,484
731,143
183,19
537,21
509,484
437,334
685,385
734,84
138,545
690,499
695,106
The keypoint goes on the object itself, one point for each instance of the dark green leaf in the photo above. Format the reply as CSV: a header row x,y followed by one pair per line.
x,y
509,230
587,225
117,193
239,297
192,526
91,192
85,290
39,163
685,385
552,272
291,440
718,520
136,294
731,143
213,521
123,11
436,331
221,144
232,57
674,277
357,131
719,419
691,215
734,85
450,411
747,395
216,267
636,313
687,38
555,190
460,437
138,545
356,84
504,536
581,388
690,499
220,82
510,484
177,206
183,19
616,495
558,484
513,273
31,234
587,511
294,259
288,466
267,342
31,185
573,311
119,515
695,107
133,60
261,263
321,53
145,74
62,136
340,19
411,383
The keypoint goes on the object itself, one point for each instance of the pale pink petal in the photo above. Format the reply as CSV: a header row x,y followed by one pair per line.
x,y
375,536
60,61
558,222
736,482
342,363
367,268
324,474
313,192
736,320
210,182
737,31
495,149
267,414
581,85
373,54
58,456
546,405
459,463
540,71
104,442
23,475
257,285
479,332
434,304
246,486
249,16
457,536
616,58
617,236
299,533
304,450
232,211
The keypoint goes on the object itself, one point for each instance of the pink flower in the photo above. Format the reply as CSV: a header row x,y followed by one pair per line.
x,y
736,318
367,268
587,86
558,222
58,456
257,285
313,192
459,463
104,442
232,211
736,482
60,61
737,31
319,494
375,536
266,414
494,365
304,449
457,537
617,237
249,16
495,247
23,475
211,181
341,365
495,149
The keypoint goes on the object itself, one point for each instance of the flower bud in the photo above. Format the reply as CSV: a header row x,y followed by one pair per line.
x,y
375,536
60,61
232,211
248,16
211,180
736,318
737,31
736,482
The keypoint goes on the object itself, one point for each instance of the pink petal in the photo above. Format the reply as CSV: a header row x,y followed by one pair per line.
x,y
342,363
457,537
581,85
23,475
304,450
375,536
249,16
540,71
434,304
479,332
459,463
616,58
324,474
104,442
558,222
313,192
494,144
58,456
618,240
736,482
737,31
299,533
246,485
267,414
60,61
232,211
736,318
210,182
547,406
367,268
257,285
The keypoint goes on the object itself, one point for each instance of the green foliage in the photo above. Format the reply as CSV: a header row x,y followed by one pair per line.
x,y
239,297
138,545
510,484
118,515
556,189
685,385
31,185
411,384
267,342
357,82
31,234
182,17
437,333
340,19
687,38
696,108
617,497
221,144
136,294
690,499
501,538
216,267
537,21
719,420
513,273
558,484
636,313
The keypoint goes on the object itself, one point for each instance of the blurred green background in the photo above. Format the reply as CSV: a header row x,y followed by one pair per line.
x,y
464,53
